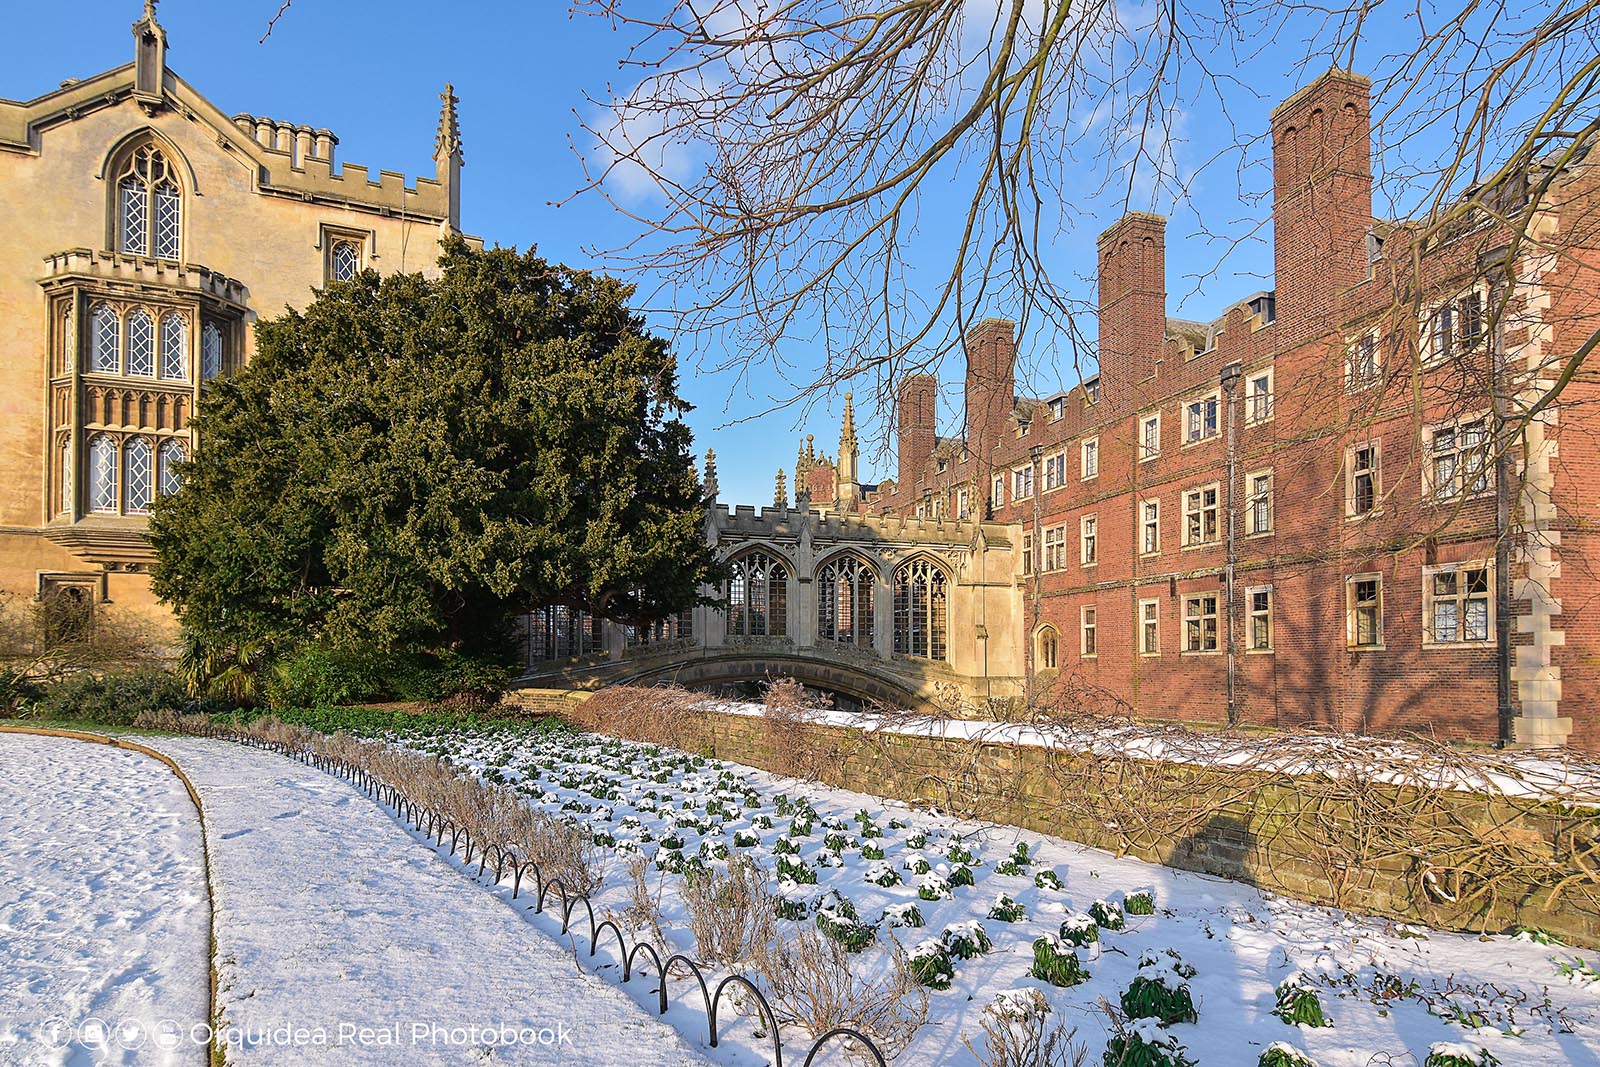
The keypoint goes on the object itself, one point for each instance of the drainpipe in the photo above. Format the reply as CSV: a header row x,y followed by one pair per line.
x,y
1504,713
1230,389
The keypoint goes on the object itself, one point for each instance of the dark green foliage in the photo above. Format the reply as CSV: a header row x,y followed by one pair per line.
x,y
1141,903
1150,998
112,699
1134,1048
1006,910
1056,964
1299,1005
930,966
1079,930
410,462
960,875
1459,1056
1278,1054
966,940
1107,914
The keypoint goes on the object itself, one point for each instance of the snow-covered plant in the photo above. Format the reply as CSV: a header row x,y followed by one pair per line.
x,y
933,887
837,919
869,829
1108,914
1298,1003
930,964
761,822
1016,1034
824,858
917,841
783,846
965,940
869,851
1048,879
908,915
1142,902
881,874
673,840
731,914
745,839
1142,1043
602,839
960,875
959,853
1017,863
1056,963
782,805
1577,971
1282,1054
792,902
1455,1054
716,850
834,842
916,863
1079,929
1019,1004
1160,990
796,871
800,827
1006,910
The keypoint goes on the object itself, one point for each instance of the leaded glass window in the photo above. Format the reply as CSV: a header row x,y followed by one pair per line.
x,y
102,474
920,610
141,344
105,338
758,597
139,479
174,346
344,263
844,601
168,456
149,206
210,351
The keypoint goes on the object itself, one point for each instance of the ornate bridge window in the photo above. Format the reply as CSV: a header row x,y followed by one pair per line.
x,y
167,477
758,596
844,601
149,205
560,632
672,628
921,610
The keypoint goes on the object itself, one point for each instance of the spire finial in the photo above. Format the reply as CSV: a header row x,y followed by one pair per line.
x,y
448,141
150,9
780,494
709,482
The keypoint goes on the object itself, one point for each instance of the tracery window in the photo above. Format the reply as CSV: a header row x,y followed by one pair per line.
x,y
921,610
174,346
758,597
141,357
1049,648
210,351
844,601
149,206
344,262
557,631
167,456
105,340
139,475
102,474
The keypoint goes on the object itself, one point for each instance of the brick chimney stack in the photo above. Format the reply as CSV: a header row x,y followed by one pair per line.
x,y
1322,201
1133,300
991,386
918,424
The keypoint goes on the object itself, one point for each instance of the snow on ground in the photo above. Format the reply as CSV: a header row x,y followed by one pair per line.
x,y
1390,991
342,940
103,911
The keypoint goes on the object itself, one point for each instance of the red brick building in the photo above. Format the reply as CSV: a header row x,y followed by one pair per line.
x,y
1329,505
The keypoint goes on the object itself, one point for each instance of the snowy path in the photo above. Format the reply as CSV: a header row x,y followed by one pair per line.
x,y
103,907
342,940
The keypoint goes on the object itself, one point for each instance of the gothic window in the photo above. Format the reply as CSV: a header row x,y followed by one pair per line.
x,y
139,475
105,339
1049,648
141,344
920,610
174,346
167,456
149,206
758,597
210,351
844,601
64,448
344,262
102,474
560,632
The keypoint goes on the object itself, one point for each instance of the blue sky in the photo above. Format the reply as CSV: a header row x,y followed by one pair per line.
x,y
371,70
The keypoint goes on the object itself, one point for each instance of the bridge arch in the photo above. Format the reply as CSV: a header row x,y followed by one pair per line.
x,y
730,666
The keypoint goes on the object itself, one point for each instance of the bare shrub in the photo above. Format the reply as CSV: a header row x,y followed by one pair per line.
x,y
812,984
1017,1033
660,715
786,713
643,912
732,915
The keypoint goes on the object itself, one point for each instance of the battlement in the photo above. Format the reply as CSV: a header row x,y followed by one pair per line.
x,y
116,268
748,521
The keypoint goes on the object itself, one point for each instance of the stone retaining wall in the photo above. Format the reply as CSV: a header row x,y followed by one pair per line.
x,y
1372,848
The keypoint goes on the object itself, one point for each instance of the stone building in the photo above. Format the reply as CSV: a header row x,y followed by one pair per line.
x,y
1344,501
148,230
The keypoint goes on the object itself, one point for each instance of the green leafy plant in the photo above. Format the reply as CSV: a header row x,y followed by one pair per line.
x,y
1298,1003
1279,1054
907,915
1454,1054
1142,1043
1160,990
933,887
960,875
1006,910
1142,902
930,964
1055,963
1107,914
966,940
797,871
1079,930
1048,879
